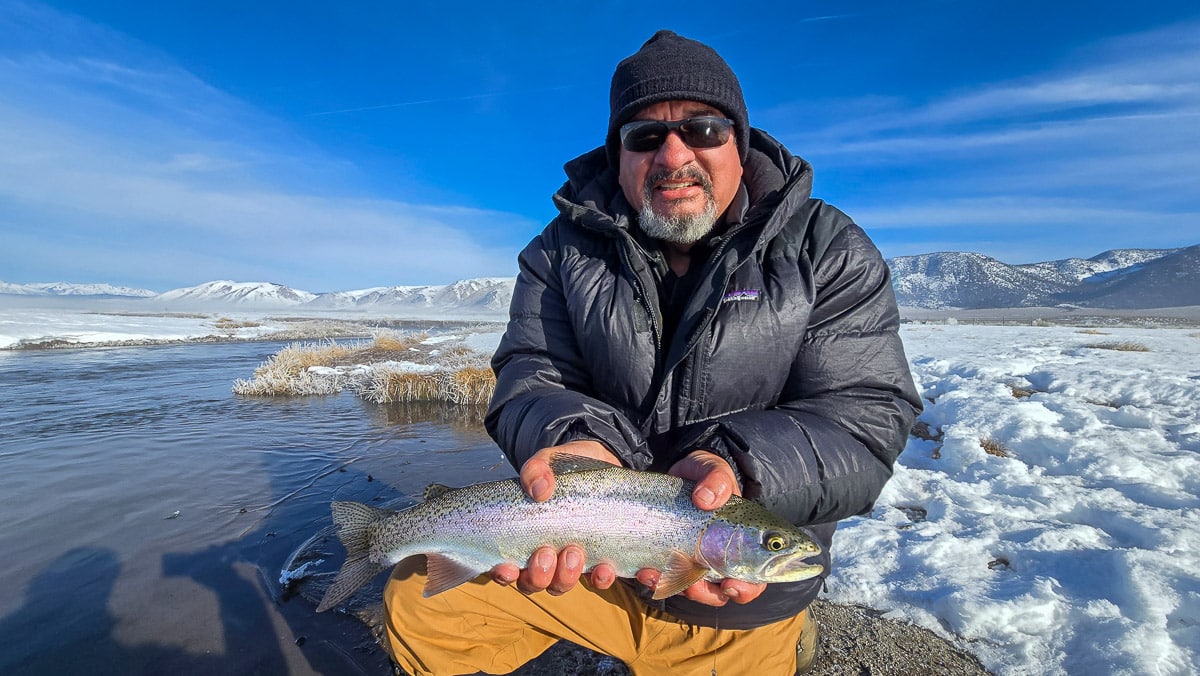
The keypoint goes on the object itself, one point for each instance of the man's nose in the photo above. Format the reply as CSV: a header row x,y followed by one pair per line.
x,y
674,153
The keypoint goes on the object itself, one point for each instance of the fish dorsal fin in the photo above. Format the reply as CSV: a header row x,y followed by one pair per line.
x,y
447,573
435,491
565,463
682,572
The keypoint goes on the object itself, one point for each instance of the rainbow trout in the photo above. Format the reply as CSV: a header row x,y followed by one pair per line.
x,y
629,519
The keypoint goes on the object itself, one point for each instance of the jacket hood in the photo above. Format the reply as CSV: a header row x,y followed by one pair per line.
x,y
592,196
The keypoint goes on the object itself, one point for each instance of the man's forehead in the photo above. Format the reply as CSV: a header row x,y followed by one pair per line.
x,y
689,108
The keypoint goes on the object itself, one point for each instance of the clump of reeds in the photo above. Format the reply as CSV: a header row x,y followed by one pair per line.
x,y
1120,346
470,385
286,373
226,323
458,374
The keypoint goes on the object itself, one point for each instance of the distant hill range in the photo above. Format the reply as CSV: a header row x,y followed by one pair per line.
x,y
485,298
1118,279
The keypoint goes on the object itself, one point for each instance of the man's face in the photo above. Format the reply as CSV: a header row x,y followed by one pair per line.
x,y
680,192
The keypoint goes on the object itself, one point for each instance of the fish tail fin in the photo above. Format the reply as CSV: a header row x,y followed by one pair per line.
x,y
353,521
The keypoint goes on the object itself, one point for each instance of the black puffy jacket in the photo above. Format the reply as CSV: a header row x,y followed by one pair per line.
x,y
787,361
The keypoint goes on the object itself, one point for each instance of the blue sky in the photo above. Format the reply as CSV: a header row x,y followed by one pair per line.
x,y
337,146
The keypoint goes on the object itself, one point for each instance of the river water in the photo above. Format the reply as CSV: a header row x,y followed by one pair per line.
x,y
147,511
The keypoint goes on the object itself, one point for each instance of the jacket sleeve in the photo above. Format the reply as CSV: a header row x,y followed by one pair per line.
x,y
542,383
826,449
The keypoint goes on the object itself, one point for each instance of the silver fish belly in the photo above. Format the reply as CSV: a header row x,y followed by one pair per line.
x,y
627,519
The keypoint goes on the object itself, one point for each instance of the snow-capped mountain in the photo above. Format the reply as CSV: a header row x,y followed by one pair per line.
x,y
1121,278
487,294
225,293
68,289
485,297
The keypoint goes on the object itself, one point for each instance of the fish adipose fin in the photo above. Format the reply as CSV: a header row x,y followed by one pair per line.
x,y
435,491
446,573
353,521
682,572
565,463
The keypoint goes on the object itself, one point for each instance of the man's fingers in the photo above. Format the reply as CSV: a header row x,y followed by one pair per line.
x,y
649,577
505,573
603,576
712,491
708,593
539,573
715,480
570,567
740,591
537,479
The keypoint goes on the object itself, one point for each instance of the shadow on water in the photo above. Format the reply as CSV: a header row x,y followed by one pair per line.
x,y
82,634
245,574
289,458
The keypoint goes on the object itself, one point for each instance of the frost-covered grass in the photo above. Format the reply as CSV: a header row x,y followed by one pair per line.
x,y
1120,346
391,367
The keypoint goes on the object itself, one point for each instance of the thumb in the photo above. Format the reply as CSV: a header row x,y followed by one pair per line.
x,y
537,479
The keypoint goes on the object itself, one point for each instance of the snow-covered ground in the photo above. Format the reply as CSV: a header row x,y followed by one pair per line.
x,y
81,327
1075,551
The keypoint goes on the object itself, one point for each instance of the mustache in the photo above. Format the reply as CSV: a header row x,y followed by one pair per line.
x,y
688,173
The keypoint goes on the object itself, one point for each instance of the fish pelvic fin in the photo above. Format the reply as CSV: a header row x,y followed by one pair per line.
x,y
444,573
682,571
353,521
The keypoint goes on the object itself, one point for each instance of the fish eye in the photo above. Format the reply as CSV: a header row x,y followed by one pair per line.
x,y
774,542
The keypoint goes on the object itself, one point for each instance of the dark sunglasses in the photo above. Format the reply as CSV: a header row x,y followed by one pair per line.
x,y
643,136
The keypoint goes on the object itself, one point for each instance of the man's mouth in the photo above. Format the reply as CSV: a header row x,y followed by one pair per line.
x,y
675,185
678,185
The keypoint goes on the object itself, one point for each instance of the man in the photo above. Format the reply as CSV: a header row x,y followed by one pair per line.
x,y
691,310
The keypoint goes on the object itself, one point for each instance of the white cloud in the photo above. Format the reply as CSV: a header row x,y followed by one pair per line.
x,y
1101,150
115,155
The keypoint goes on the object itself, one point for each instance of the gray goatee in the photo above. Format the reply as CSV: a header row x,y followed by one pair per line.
x,y
684,229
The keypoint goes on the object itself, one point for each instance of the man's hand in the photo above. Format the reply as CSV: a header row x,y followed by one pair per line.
x,y
556,572
715,482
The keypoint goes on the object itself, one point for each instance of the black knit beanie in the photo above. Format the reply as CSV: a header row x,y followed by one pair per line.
x,y
670,67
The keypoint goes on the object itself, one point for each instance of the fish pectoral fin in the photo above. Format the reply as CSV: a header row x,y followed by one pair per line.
x,y
565,463
682,572
445,573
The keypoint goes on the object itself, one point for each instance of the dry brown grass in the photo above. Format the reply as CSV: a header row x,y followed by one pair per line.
x,y
1021,392
228,324
458,374
1120,346
470,385
993,447
1093,332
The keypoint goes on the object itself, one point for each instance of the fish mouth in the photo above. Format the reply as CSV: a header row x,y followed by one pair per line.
x,y
792,569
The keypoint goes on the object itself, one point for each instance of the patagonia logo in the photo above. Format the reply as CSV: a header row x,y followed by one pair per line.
x,y
740,295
